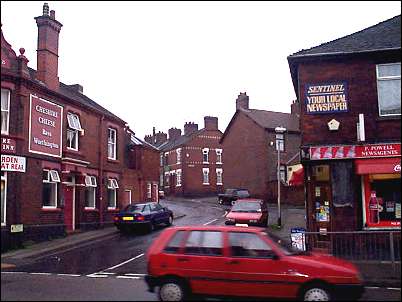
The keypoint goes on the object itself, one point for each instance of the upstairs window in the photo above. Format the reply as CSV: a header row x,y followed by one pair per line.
x,y
50,179
149,190
90,191
205,155
219,173
5,110
218,156
111,143
74,121
389,89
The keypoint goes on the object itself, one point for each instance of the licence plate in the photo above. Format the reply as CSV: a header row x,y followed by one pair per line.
x,y
242,224
128,218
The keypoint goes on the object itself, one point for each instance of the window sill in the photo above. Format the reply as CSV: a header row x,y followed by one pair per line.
x,y
178,185
51,209
206,184
388,118
219,163
219,184
113,161
91,210
206,162
112,209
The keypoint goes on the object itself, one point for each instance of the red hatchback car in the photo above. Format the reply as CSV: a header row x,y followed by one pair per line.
x,y
243,262
247,212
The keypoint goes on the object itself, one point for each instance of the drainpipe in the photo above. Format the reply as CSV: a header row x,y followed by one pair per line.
x,y
100,160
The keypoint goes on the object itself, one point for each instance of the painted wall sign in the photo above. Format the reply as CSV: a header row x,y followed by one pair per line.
x,y
365,151
13,163
45,127
326,98
8,145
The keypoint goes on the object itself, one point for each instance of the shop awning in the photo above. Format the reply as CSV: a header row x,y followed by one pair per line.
x,y
378,165
297,178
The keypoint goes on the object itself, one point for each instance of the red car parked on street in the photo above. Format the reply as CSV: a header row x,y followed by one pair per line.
x,y
247,212
243,262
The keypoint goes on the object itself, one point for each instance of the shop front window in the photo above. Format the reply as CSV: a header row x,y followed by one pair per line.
x,y
383,200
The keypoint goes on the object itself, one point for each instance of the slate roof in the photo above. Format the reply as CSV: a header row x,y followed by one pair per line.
x,y
181,140
267,119
382,36
71,93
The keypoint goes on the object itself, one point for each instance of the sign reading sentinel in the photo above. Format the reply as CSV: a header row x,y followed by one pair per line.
x,y
326,98
45,127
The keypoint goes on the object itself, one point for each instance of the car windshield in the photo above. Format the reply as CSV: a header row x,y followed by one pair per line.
x,y
134,208
246,207
230,191
285,246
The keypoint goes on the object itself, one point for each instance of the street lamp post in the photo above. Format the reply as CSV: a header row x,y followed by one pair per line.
x,y
279,130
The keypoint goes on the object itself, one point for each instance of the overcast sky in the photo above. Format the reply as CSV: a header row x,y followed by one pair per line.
x,y
166,63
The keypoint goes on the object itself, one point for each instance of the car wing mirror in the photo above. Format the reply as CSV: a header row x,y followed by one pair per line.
x,y
275,257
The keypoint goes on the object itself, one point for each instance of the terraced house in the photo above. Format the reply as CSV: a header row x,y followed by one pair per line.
x,y
67,163
191,164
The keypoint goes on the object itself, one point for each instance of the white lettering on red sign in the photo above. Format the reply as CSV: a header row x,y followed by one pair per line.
x,y
397,168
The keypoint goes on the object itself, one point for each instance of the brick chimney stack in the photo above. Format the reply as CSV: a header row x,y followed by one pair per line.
x,y
190,127
174,133
295,108
242,101
211,123
48,48
160,138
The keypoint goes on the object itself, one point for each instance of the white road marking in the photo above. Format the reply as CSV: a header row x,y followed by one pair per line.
x,y
46,274
128,277
97,276
104,273
129,260
210,221
69,275
372,287
14,272
393,288
141,275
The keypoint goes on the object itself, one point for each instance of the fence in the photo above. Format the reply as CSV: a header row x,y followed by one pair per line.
x,y
367,246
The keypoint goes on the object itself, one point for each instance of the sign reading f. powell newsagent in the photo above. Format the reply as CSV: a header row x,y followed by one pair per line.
x,y
45,127
326,98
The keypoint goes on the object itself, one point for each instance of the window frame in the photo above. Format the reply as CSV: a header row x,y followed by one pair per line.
x,y
203,176
112,144
219,171
74,141
149,190
90,185
178,178
53,180
73,121
178,155
205,152
280,141
218,156
7,130
385,78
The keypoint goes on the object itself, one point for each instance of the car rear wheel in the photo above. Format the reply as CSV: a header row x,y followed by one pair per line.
x,y
151,226
172,290
170,220
316,293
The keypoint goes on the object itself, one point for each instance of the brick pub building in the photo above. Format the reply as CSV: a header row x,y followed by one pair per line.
x,y
349,91
191,164
67,163
251,160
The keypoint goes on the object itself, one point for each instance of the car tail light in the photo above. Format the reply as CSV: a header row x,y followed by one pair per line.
x,y
116,218
140,218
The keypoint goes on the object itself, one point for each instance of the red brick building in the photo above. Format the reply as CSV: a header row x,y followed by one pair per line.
x,y
191,164
67,163
349,91
251,157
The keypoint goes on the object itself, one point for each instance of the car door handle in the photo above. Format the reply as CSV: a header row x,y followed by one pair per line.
x,y
233,262
182,259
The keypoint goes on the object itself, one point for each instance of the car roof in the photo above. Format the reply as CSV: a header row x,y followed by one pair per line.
x,y
217,228
249,200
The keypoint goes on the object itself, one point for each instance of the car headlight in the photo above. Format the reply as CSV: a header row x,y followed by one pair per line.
x,y
230,219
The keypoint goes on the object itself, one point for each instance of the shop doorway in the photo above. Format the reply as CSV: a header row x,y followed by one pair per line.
x,y
321,193
69,204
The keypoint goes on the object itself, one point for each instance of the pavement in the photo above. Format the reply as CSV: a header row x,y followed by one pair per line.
x,y
374,274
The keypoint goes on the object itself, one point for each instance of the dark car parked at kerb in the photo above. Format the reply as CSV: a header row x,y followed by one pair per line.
x,y
143,215
231,195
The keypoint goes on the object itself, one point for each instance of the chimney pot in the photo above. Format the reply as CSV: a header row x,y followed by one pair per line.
x,y
53,14
45,9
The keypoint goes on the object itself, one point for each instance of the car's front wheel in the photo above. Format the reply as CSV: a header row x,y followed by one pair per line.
x,y
170,220
172,290
316,293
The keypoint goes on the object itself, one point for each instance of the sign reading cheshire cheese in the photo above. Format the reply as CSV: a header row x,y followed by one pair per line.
x,y
326,98
45,127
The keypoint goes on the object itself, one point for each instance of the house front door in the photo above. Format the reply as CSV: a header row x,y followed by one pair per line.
x,y
69,205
